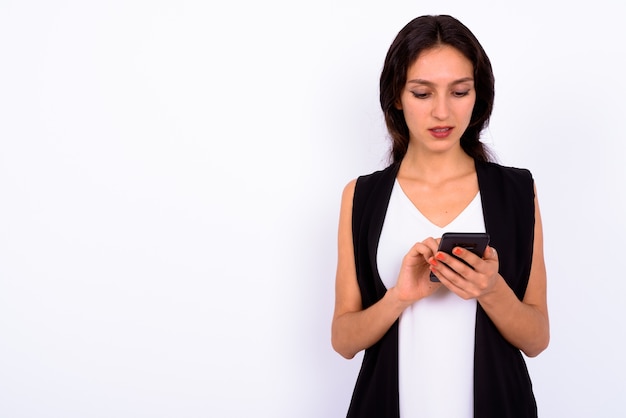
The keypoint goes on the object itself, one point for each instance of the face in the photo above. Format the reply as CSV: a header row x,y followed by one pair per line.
x,y
438,99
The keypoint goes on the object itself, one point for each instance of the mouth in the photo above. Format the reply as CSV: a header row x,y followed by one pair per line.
x,y
441,131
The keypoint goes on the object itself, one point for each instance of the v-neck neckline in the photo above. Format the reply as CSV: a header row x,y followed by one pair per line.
x,y
410,203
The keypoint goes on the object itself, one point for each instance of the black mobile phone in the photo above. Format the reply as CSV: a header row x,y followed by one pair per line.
x,y
475,242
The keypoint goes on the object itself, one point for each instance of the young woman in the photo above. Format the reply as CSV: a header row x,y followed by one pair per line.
x,y
450,348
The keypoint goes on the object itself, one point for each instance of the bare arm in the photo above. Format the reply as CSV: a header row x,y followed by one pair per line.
x,y
523,323
354,328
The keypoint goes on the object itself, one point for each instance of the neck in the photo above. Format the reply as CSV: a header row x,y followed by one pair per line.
x,y
436,167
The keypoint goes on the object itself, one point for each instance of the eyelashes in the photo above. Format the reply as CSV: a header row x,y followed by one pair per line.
x,y
458,94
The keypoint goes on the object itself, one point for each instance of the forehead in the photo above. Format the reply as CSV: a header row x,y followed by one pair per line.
x,y
440,63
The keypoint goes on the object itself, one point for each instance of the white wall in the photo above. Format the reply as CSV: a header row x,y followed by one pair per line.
x,y
170,175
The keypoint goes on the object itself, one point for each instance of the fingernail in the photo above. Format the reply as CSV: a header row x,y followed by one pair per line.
x,y
432,261
440,256
456,251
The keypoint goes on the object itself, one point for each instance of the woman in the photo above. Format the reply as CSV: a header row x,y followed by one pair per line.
x,y
450,348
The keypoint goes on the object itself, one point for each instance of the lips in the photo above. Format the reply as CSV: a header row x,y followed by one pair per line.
x,y
441,131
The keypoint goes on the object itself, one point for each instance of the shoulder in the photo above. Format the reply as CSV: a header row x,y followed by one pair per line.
x,y
505,177
365,178
492,168
360,188
509,183
366,183
348,191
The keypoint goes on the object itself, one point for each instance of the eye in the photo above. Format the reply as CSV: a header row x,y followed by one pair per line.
x,y
419,95
462,93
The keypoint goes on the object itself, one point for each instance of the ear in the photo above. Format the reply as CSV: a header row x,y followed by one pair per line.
x,y
398,104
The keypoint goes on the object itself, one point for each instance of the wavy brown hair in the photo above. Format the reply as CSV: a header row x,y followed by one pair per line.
x,y
418,35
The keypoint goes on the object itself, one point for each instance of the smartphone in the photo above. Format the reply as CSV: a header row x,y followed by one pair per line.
x,y
475,242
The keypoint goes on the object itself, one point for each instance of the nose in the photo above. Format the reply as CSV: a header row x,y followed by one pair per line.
x,y
440,108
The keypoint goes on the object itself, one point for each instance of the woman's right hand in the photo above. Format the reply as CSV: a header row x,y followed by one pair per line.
x,y
414,278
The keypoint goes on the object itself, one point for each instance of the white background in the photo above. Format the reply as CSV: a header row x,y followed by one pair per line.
x,y
170,176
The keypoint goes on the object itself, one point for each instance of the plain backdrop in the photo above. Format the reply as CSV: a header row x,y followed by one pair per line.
x,y
170,178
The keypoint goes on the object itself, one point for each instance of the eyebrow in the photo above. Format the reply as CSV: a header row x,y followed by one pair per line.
x,y
430,83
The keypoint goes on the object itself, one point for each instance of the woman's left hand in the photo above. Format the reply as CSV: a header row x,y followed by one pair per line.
x,y
467,282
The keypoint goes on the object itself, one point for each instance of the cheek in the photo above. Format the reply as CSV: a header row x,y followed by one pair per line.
x,y
413,118
467,110
415,111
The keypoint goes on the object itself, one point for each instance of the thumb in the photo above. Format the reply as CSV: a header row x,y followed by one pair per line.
x,y
491,254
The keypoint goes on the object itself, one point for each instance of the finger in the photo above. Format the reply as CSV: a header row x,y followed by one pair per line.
x,y
420,248
466,255
463,263
432,244
491,254
446,265
418,253
451,279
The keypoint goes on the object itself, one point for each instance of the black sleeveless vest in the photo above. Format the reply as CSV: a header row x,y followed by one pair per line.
x,y
502,386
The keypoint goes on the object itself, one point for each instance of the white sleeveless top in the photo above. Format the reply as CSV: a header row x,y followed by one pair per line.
x,y
436,334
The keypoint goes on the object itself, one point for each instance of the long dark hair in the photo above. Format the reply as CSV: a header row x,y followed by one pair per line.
x,y
419,35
